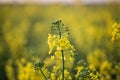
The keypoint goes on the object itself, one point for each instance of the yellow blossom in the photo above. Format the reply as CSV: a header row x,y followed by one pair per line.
x,y
52,57
64,43
53,76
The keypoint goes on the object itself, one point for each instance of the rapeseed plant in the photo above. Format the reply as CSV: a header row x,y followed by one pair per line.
x,y
60,48
116,44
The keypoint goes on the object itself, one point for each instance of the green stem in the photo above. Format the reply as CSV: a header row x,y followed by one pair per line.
x,y
63,65
43,74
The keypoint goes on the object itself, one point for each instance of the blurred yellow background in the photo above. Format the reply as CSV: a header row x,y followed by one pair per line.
x,y
24,30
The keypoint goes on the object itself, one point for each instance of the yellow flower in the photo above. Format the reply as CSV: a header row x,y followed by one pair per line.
x,y
92,67
53,76
64,43
71,59
52,57
79,68
58,54
51,42
114,25
66,73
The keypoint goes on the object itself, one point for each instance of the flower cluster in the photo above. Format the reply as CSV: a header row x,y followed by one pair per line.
x,y
116,33
62,43
58,39
56,74
85,72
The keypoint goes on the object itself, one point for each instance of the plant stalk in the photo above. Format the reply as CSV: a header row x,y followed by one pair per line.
x,y
63,64
43,74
